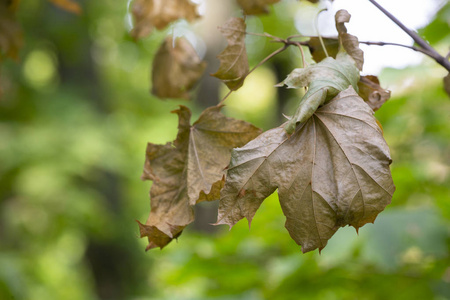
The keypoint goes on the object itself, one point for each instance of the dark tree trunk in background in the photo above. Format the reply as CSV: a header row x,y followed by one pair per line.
x,y
111,262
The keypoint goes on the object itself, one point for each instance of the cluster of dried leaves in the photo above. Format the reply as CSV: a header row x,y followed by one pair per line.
x,y
329,161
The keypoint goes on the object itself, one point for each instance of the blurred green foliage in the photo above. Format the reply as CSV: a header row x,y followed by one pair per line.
x,y
75,118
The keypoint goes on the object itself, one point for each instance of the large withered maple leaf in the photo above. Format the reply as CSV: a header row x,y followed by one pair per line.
x,y
331,172
189,170
233,60
149,14
176,69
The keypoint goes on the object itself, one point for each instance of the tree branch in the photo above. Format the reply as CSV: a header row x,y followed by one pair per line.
x,y
395,44
430,51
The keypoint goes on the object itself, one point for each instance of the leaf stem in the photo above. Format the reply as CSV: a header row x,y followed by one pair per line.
x,y
255,67
430,51
266,59
225,98
316,23
303,55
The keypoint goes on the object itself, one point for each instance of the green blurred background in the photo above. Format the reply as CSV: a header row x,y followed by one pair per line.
x,y
75,117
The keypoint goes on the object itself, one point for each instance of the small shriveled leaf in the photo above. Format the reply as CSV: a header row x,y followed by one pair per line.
x,y
233,60
371,91
176,69
316,49
332,172
149,14
68,5
349,42
11,37
324,81
189,170
447,84
255,7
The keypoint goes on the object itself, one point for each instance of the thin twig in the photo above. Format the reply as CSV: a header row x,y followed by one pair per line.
x,y
431,52
395,44
225,98
266,59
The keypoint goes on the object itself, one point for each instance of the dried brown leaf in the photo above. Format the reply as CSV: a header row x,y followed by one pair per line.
x,y
255,7
233,60
316,49
176,69
189,170
349,42
371,91
332,172
149,14
68,5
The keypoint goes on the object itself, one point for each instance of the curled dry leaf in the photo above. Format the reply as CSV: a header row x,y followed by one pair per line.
x,y
176,69
332,172
233,60
316,49
189,170
159,13
11,37
371,91
68,5
255,7
324,81
349,42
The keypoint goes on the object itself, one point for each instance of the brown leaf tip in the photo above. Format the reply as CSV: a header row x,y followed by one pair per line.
x,y
157,238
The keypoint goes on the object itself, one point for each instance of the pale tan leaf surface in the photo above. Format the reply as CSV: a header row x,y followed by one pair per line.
x,y
332,172
255,7
68,5
176,69
324,81
11,36
189,170
233,60
149,14
371,91
349,42
447,84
